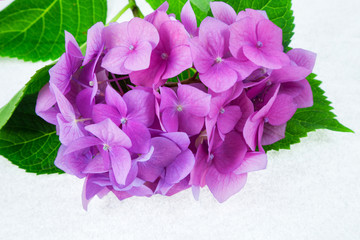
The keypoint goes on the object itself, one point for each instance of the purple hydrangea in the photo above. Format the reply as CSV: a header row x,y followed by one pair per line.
x,y
127,129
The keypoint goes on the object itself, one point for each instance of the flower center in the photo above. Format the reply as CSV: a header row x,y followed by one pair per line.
x,y
222,110
91,83
179,108
106,147
218,60
266,119
259,44
131,47
164,56
123,120
211,157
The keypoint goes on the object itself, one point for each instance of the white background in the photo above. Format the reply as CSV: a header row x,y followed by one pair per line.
x,y
310,192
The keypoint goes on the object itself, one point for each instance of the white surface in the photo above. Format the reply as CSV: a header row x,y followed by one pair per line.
x,y
310,192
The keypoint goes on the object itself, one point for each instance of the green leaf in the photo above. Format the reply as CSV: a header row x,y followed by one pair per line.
x,y
33,30
36,82
278,11
201,7
27,140
305,120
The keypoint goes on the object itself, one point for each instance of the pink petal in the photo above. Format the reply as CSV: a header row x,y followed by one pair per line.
x,y
269,59
242,33
168,98
305,98
270,35
114,60
139,29
73,163
223,12
282,110
223,186
139,58
85,102
220,77
116,35
257,15
202,59
179,60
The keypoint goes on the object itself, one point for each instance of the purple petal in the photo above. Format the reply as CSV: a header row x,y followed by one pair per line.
x,y
270,35
305,98
190,124
180,138
140,106
223,12
170,120
289,74
73,163
152,75
282,110
180,168
139,136
220,77
179,60
90,189
44,103
250,131
69,131
242,33
193,100
231,153
66,109
228,119
113,98
109,133
188,18
81,143
172,35
102,111
223,186
168,98
266,58
253,161
202,59
94,43
302,58
120,163
257,15
85,103
272,134
96,165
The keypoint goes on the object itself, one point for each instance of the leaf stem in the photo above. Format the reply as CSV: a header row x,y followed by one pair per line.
x,y
193,79
136,10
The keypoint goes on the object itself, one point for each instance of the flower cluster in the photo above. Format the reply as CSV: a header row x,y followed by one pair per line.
x,y
126,129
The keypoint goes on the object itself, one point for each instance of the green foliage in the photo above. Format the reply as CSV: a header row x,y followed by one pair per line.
x,y
27,140
201,7
305,120
36,82
33,30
